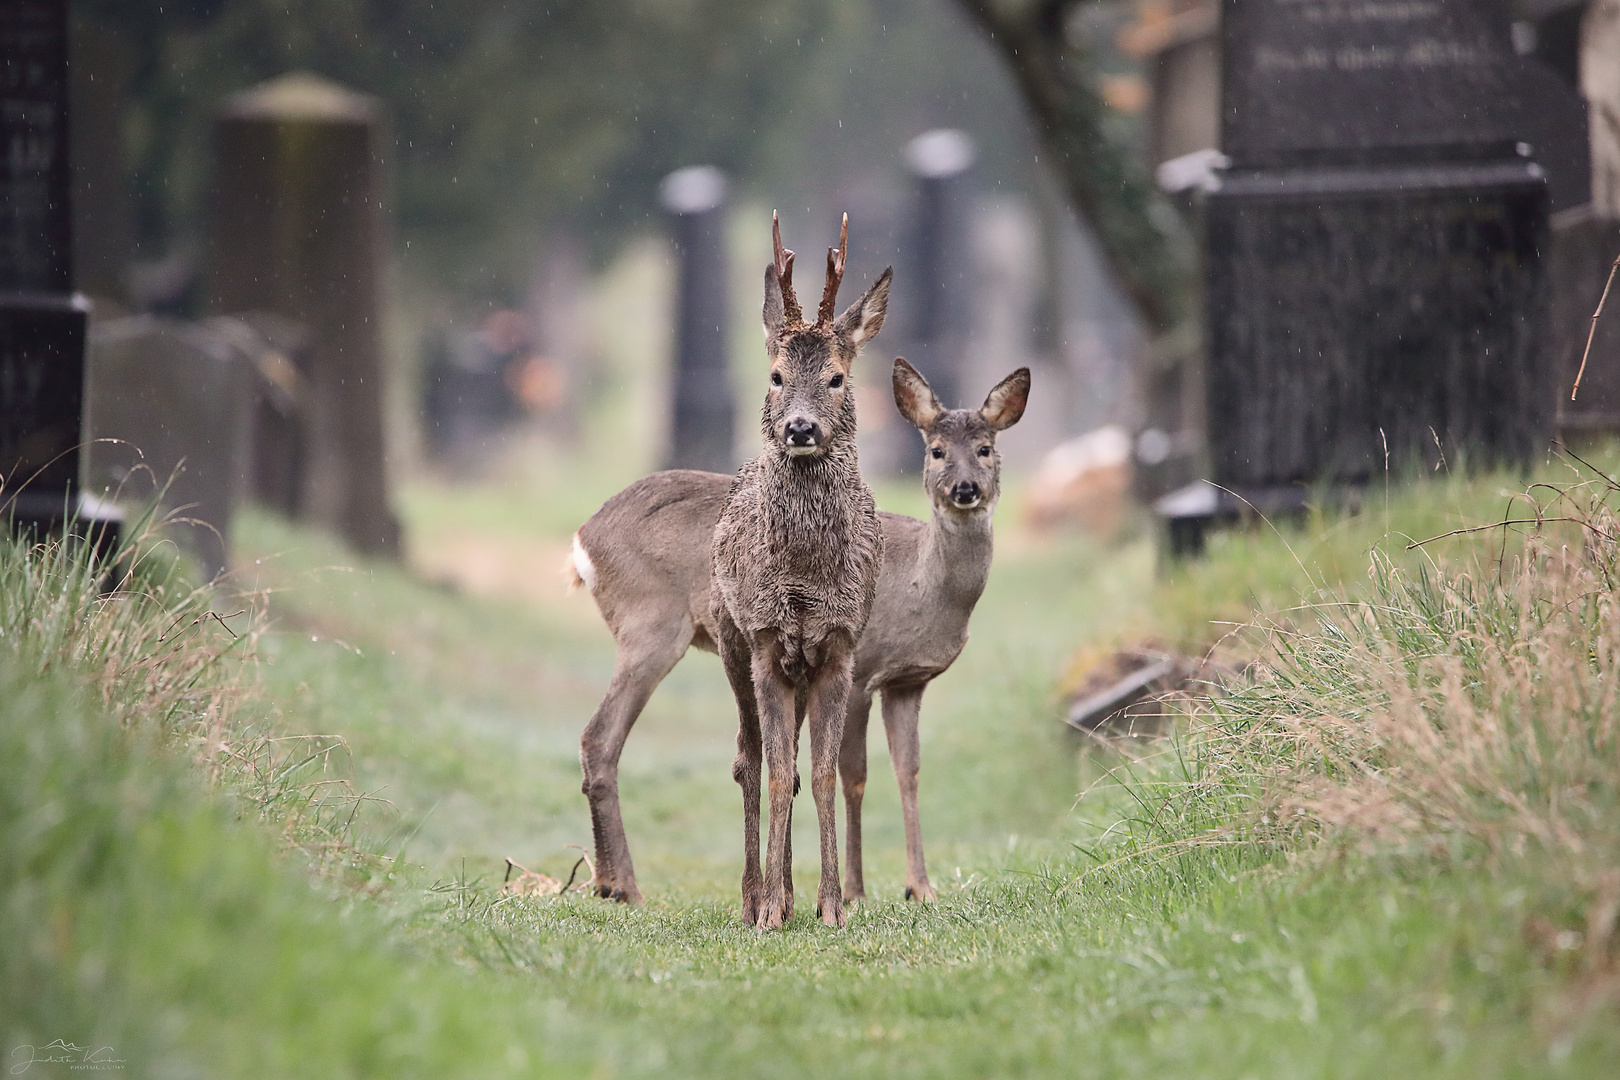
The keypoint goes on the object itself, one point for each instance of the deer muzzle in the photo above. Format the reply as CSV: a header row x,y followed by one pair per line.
x,y
801,436
966,494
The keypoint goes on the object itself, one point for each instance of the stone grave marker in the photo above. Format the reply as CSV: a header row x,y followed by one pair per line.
x,y
1374,266
177,398
42,321
299,233
939,162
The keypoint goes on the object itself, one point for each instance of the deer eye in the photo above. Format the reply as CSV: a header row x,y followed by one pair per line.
x,y
984,451
937,453
776,378
836,381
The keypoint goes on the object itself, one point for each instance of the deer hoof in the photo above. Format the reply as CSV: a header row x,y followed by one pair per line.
x,y
920,893
832,913
623,894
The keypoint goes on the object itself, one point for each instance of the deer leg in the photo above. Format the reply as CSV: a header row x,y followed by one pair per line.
x,y
828,699
774,694
745,768
646,653
901,709
852,772
787,857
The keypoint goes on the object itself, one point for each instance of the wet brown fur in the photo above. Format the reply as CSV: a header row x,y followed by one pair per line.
x,y
796,554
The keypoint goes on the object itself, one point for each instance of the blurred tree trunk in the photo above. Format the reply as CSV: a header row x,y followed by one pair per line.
x,y
1140,233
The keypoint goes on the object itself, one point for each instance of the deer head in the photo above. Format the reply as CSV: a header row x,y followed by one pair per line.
x,y
961,466
809,406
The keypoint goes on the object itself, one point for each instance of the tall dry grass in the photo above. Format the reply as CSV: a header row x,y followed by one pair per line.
x,y
174,663
1466,712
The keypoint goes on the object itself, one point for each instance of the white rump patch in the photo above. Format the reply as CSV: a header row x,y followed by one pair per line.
x,y
583,565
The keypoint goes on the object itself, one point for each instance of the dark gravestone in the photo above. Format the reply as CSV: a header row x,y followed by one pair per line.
x,y
35,225
704,408
1327,81
1400,315
937,251
42,322
298,232
1374,251
100,68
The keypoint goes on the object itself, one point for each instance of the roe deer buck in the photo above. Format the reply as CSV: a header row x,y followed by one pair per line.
x,y
796,556
644,556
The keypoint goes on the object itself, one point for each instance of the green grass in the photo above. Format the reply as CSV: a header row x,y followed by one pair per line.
x,y
1149,927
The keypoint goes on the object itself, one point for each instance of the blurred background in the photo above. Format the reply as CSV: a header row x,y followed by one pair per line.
x,y
525,260
337,249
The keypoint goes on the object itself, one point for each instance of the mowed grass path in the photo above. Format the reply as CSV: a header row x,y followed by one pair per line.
x,y
462,699
463,709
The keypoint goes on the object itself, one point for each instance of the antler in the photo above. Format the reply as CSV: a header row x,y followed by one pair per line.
x,y
784,275
835,276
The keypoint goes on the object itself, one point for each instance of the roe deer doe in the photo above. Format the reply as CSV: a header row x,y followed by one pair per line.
x,y
644,556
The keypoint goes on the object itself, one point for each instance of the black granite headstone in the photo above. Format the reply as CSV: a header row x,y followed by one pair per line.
x,y
42,323
1374,250
1309,81
939,161
702,431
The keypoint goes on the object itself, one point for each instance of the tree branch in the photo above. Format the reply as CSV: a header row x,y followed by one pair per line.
x,y
1137,229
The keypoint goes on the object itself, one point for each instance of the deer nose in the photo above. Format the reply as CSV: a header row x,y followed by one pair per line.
x,y
801,435
965,493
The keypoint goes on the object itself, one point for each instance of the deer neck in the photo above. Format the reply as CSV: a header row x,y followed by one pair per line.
x,y
953,562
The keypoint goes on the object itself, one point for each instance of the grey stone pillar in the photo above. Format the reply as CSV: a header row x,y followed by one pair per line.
x,y
931,310
704,409
299,232
937,332
42,321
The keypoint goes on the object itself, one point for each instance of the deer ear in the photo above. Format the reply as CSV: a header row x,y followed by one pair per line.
x,y
1005,405
914,397
861,321
775,309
